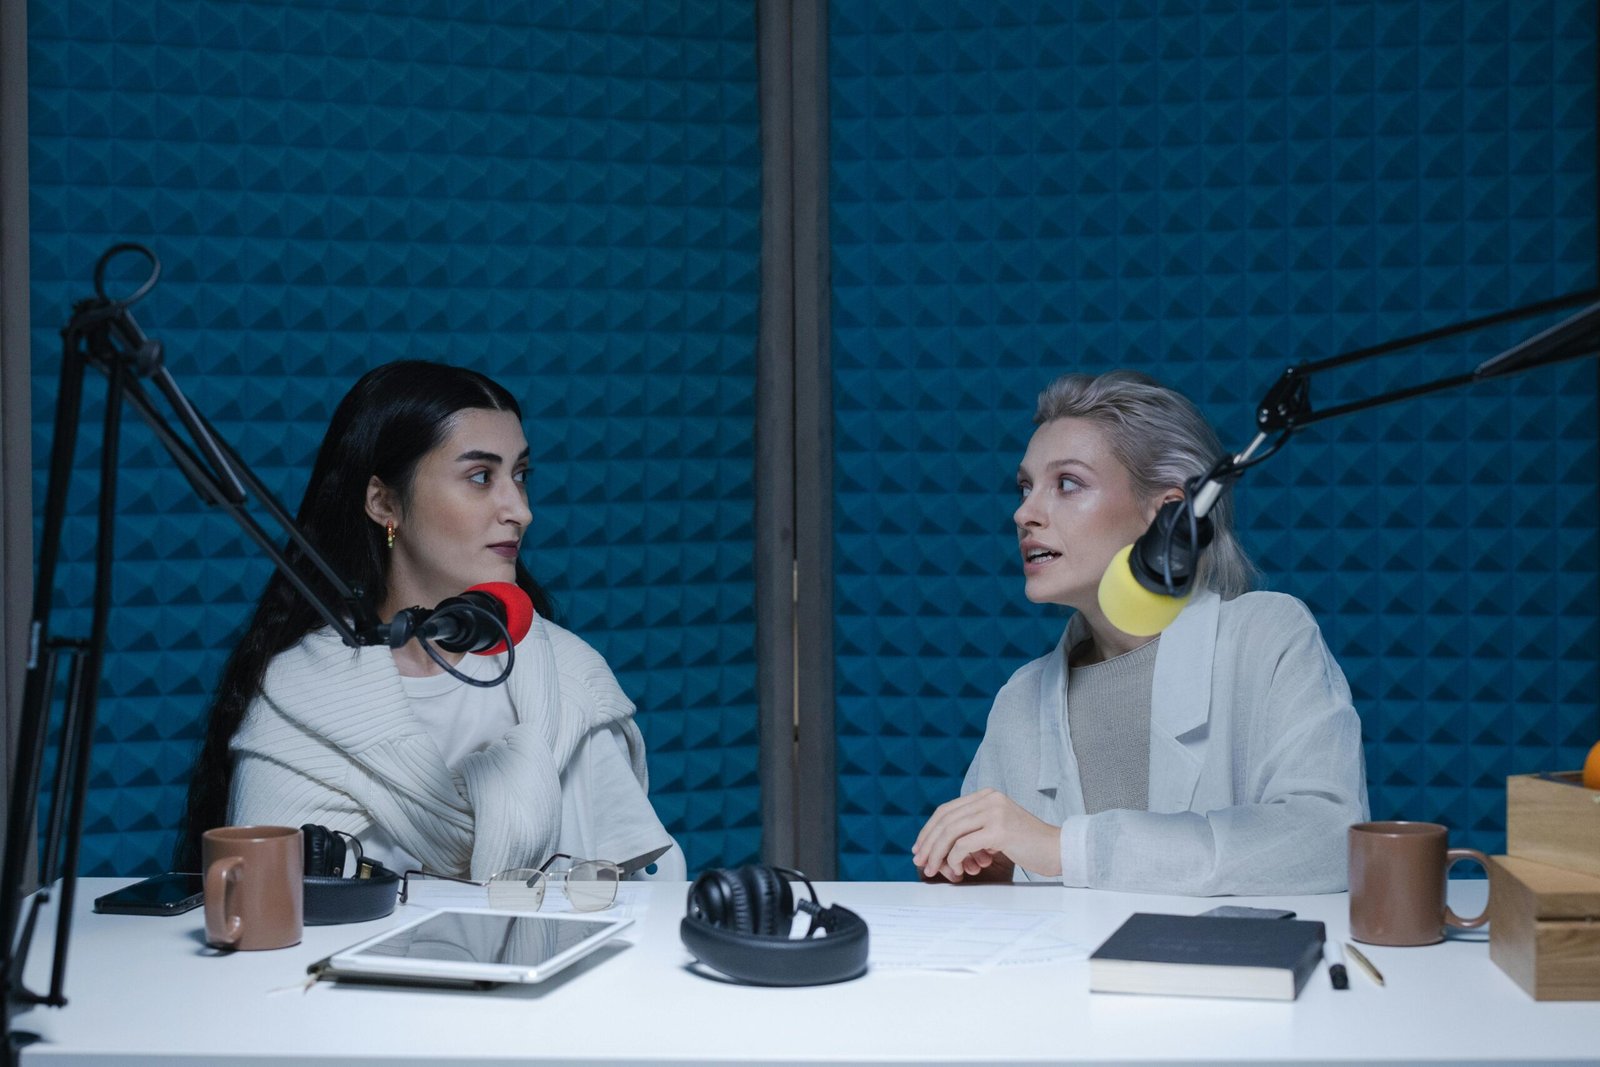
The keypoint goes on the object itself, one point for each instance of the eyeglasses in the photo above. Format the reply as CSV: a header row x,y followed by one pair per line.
x,y
589,885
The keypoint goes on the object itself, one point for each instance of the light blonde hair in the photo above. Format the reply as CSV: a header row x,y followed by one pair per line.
x,y
1162,440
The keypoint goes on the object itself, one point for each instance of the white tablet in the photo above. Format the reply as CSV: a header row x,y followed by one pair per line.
x,y
478,946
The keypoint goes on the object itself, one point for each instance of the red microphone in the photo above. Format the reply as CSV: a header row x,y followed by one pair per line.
x,y
466,623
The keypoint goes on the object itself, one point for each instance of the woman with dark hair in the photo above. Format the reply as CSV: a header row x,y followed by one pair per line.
x,y
1221,756
418,492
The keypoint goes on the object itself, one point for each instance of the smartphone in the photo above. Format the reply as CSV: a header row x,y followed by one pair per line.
x,y
163,894
1240,911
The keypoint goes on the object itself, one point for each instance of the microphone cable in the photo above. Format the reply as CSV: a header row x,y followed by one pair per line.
x,y
481,613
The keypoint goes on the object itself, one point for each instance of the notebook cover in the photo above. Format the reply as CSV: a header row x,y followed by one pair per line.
x,y
1206,942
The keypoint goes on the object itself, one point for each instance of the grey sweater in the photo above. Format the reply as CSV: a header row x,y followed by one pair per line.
x,y
1108,719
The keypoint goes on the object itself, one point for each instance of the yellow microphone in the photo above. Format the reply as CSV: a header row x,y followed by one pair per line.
x,y
1132,607
1148,582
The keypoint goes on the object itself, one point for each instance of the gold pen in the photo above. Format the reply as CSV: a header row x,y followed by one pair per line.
x,y
1364,963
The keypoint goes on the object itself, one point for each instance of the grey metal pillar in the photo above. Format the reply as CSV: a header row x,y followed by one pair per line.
x,y
16,419
794,445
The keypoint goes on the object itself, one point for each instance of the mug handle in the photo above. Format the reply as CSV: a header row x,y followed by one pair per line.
x,y
221,877
1451,858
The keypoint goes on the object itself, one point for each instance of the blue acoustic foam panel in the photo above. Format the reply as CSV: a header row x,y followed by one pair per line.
x,y
565,196
1210,192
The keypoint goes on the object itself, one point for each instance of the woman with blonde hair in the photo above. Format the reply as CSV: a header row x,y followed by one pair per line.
x,y
1222,756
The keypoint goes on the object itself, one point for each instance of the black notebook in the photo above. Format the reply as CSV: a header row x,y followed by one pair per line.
x,y
1204,956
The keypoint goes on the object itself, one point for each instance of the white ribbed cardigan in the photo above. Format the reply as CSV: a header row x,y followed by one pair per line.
x,y
331,739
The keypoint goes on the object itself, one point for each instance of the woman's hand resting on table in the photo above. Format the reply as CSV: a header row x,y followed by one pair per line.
x,y
981,835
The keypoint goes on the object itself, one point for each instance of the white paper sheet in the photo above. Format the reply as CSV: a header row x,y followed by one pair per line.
x,y
963,939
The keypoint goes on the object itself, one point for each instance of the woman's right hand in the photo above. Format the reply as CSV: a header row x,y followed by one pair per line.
x,y
972,833
980,868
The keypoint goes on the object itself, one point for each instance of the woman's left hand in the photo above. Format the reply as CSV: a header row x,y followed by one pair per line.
x,y
963,833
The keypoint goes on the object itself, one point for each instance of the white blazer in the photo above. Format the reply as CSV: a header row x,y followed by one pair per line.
x,y
1256,767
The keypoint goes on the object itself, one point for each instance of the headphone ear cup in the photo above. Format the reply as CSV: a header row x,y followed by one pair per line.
x,y
785,901
773,901
713,900
743,913
323,851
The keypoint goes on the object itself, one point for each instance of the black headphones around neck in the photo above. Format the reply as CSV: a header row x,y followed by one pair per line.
x,y
738,923
330,897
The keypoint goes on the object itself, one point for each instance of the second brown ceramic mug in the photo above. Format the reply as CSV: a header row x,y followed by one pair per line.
x,y
1398,873
254,889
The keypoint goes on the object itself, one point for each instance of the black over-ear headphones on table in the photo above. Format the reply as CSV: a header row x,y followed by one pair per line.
x,y
738,923
330,897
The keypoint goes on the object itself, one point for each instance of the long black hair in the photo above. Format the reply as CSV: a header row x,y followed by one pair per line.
x,y
393,416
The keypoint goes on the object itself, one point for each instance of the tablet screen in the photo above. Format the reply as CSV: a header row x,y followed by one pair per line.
x,y
510,946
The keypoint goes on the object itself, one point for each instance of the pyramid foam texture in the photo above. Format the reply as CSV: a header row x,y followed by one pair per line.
x,y
1210,192
565,196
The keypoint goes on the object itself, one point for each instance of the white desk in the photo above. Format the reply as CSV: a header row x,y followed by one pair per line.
x,y
145,991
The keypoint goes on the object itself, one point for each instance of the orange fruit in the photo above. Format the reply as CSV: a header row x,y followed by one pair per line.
x,y
1591,768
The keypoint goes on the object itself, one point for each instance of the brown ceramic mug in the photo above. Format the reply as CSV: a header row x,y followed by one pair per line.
x,y
1398,873
254,888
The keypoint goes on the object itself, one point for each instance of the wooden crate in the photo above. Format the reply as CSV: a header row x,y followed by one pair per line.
x,y
1553,819
1544,928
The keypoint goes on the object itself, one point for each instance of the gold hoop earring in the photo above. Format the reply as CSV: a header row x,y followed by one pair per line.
x,y
388,529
